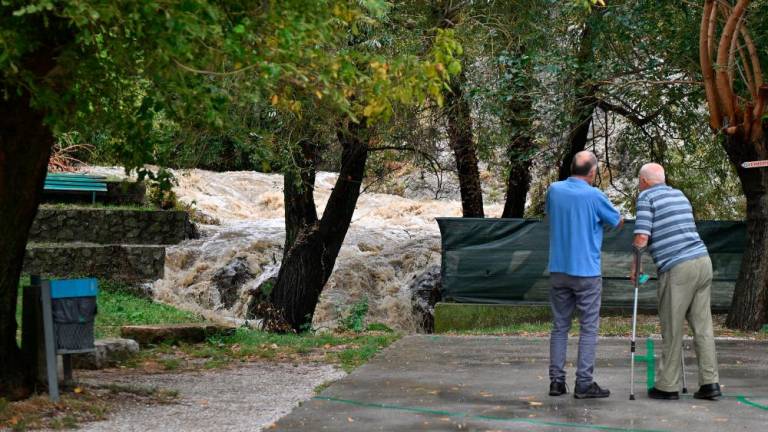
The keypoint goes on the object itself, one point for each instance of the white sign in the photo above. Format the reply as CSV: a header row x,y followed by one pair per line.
x,y
755,164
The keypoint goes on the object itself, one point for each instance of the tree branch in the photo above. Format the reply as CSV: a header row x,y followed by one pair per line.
x,y
705,60
748,76
629,115
757,72
723,53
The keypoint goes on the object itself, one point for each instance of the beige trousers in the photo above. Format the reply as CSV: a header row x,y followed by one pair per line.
x,y
684,293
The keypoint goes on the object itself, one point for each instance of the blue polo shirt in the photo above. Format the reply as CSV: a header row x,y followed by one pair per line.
x,y
577,213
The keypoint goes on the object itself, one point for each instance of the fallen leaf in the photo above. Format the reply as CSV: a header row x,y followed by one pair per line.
x,y
350,419
534,403
78,390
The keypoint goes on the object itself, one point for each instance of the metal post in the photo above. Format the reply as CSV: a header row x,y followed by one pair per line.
x,y
638,272
66,361
50,342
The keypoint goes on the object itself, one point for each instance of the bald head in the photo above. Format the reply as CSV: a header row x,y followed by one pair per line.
x,y
653,173
583,163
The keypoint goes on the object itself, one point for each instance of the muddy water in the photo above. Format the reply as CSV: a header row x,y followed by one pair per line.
x,y
391,241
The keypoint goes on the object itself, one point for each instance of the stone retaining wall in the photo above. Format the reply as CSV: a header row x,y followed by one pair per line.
x,y
108,226
130,263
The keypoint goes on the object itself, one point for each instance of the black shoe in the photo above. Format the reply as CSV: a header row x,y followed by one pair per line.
x,y
708,391
655,393
557,388
593,391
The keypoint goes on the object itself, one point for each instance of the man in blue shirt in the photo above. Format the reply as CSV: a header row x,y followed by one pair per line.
x,y
577,213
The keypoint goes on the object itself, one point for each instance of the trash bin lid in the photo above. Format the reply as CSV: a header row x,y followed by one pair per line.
x,y
66,288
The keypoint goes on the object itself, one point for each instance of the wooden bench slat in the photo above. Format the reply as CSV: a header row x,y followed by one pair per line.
x,y
62,175
66,183
76,188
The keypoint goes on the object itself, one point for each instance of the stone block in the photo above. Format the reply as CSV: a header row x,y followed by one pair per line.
x,y
94,225
190,333
109,352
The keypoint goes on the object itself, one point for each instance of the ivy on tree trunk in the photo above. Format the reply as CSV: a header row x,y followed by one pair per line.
x,y
462,143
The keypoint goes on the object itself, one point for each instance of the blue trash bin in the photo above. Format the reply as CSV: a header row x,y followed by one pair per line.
x,y
73,308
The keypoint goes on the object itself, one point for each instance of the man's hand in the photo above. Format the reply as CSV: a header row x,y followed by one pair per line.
x,y
621,223
640,241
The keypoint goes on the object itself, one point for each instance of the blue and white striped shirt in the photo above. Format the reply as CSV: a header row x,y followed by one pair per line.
x,y
665,215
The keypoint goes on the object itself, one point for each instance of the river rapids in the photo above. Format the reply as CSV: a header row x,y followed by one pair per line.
x,y
393,244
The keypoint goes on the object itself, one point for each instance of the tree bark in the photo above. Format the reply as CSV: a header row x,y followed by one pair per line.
x,y
584,105
299,185
308,263
519,113
462,143
749,307
25,146
519,180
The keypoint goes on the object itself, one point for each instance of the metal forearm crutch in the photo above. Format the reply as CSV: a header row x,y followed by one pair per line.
x,y
638,275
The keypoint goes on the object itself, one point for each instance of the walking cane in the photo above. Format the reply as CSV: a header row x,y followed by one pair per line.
x,y
640,278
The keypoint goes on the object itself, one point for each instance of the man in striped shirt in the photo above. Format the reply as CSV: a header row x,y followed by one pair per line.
x,y
665,224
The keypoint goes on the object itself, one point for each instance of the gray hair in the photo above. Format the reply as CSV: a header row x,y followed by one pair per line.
x,y
653,173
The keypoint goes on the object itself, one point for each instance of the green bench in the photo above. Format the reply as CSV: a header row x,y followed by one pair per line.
x,y
76,183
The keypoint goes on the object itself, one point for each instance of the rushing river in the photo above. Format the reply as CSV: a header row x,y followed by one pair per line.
x,y
392,242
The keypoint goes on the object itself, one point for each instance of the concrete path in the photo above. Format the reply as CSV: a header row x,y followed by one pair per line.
x,y
441,383
240,398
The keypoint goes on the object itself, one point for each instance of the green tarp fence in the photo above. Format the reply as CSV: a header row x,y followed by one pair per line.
x,y
505,261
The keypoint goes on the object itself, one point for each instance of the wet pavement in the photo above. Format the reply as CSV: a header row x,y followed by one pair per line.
x,y
446,383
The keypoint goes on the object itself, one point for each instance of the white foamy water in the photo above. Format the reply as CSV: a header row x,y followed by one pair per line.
x,y
391,240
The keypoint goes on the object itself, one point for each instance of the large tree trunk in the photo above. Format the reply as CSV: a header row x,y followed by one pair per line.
x,y
739,121
749,308
584,105
25,145
519,114
462,143
308,263
519,180
299,185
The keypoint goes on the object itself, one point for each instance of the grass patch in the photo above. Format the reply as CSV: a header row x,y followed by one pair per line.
x,y
348,350
647,325
118,307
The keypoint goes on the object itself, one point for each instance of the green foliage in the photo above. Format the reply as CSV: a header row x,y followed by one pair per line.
x,y
159,187
379,327
139,77
355,318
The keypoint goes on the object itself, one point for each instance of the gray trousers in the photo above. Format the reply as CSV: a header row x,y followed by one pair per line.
x,y
684,293
567,294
